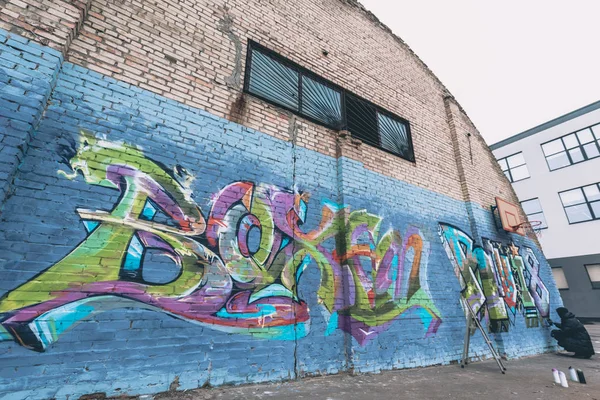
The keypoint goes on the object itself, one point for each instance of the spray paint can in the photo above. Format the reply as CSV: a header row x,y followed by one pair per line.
x,y
573,374
556,376
563,379
581,376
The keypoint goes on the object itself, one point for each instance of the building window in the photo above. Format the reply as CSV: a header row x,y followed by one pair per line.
x,y
573,148
514,167
593,271
559,278
582,204
534,211
286,84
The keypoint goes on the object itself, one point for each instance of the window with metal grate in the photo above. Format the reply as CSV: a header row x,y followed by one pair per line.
x,y
286,84
274,81
362,120
393,135
321,102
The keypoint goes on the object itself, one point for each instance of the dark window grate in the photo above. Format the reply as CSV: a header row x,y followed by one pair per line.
x,y
362,120
321,102
286,84
394,136
274,81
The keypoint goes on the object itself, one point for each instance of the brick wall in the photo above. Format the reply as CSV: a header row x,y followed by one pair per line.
x,y
199,61
52,22
28,72
164,231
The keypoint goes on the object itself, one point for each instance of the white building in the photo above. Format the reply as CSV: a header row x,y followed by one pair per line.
x,y
555,171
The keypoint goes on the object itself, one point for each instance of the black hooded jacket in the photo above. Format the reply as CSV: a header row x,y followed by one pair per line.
x,y
573,336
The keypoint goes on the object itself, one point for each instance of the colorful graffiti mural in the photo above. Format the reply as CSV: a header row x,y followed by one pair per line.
x,y
236,270
502,280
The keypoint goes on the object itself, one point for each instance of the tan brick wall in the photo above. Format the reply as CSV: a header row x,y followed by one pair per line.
x,y
194,52
130,41
50,22
482,174
482,179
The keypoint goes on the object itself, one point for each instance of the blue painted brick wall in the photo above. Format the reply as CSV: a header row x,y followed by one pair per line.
x,y
134,350
27,74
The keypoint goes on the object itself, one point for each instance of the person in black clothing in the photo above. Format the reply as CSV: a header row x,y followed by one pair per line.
x,y
572,335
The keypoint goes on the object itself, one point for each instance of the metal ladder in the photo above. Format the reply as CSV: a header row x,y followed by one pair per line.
x,y
472,319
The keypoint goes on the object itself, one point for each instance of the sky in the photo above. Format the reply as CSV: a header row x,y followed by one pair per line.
x,y
511,64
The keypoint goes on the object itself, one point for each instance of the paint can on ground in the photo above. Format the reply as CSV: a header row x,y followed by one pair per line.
x,y
556,376
563,379
581,376
573,374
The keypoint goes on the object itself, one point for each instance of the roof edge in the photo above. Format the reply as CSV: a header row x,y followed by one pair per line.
x,y
547,125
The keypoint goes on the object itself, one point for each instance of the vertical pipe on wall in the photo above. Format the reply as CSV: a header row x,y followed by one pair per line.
x,y
459,156
340,240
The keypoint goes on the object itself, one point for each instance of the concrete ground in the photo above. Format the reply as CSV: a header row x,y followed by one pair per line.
x,y
526,378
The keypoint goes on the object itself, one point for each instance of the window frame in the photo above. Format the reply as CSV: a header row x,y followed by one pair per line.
x,y
587,202
302,71
511,180
564,275
595,284
580,146
539,212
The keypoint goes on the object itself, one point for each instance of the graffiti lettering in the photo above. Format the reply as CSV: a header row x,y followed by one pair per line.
x,y
237,270
497,278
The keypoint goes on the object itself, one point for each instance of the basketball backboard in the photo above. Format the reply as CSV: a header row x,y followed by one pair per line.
x,y
509,215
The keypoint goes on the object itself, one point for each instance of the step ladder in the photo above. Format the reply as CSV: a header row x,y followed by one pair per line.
x,y
474,323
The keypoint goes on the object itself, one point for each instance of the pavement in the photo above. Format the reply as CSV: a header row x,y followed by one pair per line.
x,y
525,378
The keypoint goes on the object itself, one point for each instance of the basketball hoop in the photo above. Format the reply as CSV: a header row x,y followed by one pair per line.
x,y
531,228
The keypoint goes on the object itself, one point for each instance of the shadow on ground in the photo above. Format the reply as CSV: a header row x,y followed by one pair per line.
x,y
526,378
